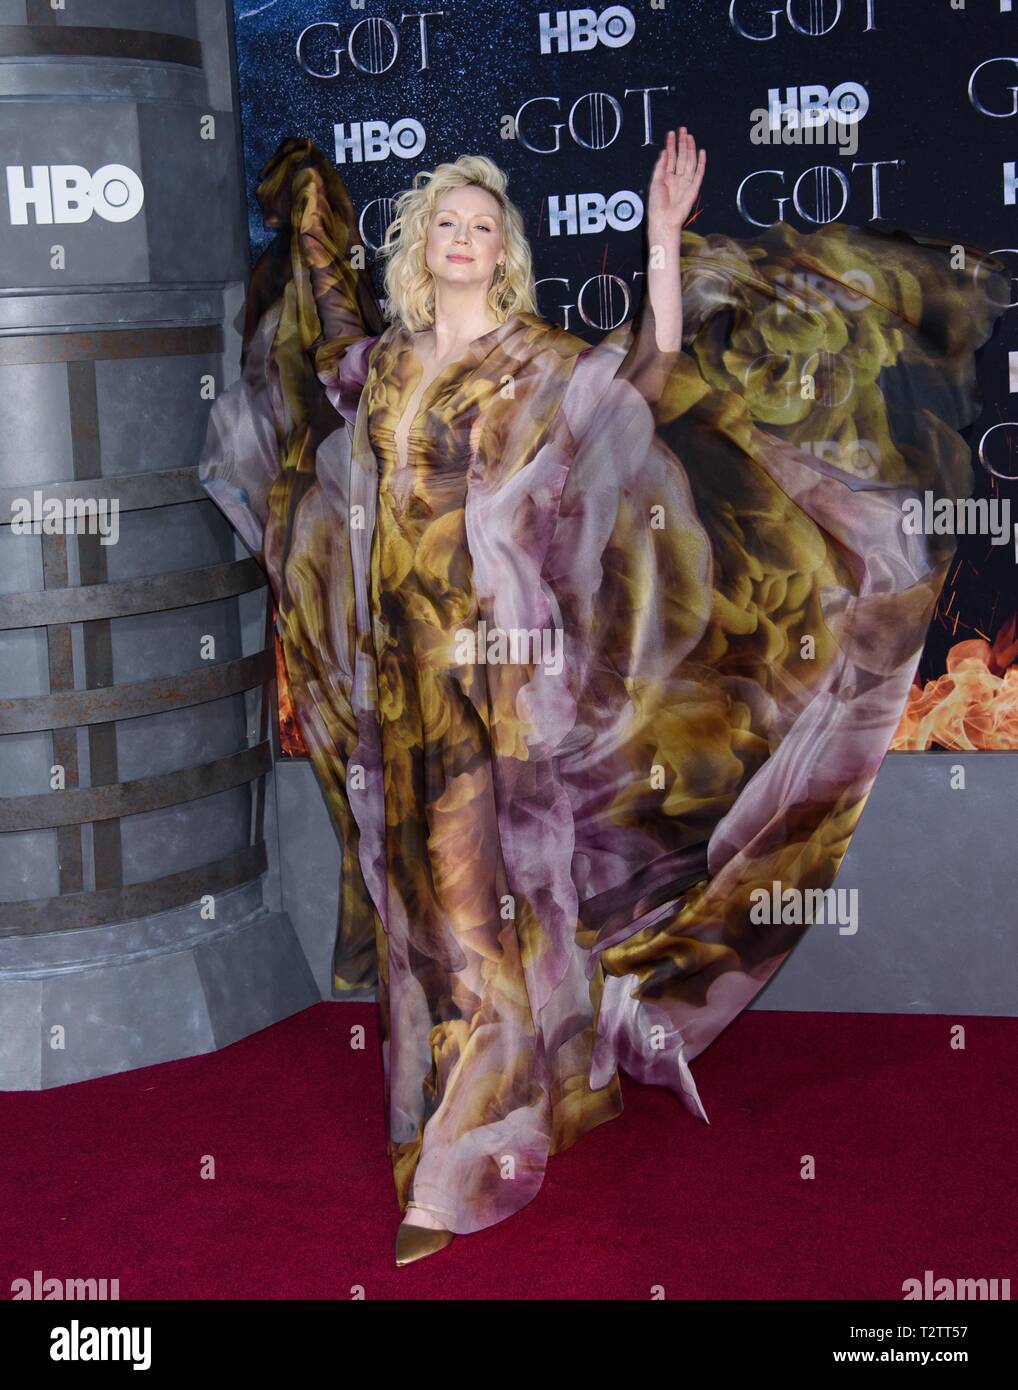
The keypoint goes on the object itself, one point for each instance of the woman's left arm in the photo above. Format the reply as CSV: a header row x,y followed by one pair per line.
x,y
674,186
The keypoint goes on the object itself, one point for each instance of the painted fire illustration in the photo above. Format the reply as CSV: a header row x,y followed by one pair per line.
x,y
973,706
291,740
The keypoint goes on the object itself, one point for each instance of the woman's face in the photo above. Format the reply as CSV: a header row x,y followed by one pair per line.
x,y
465,237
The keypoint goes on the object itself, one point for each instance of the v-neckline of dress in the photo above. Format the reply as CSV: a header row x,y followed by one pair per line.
x,y
470,354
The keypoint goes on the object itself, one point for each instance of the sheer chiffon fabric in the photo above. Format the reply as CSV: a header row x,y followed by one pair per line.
x,y
554,851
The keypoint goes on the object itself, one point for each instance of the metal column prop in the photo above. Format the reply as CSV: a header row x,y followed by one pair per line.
x,y
138,884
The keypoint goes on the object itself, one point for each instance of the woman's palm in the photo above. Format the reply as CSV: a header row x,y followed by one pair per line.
x,y
675,182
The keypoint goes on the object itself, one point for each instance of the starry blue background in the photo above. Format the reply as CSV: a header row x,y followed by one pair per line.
x,y
485,61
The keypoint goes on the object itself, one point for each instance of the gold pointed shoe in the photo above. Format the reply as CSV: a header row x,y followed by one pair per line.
x,y
415,1242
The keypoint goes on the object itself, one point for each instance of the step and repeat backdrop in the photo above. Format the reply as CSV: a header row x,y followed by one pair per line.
x,y
574,103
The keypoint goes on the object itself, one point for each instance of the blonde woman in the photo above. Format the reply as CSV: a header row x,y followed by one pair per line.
x,y
588,646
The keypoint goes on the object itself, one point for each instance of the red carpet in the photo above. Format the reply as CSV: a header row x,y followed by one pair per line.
x,y
913,1144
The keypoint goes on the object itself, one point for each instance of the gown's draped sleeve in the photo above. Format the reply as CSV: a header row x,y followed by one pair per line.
x,y
308,312
743,604
277,462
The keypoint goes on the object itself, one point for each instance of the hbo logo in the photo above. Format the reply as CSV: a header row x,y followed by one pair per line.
x,y
592,212
847,103
371,140
576,31
68,193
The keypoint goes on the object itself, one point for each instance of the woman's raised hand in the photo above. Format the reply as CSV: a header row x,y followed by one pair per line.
x,y
675,182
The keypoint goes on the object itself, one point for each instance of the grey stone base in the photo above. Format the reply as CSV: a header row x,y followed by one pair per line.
x,y
112,999
932,866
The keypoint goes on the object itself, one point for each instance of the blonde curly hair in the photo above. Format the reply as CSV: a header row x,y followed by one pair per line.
x,y
410,285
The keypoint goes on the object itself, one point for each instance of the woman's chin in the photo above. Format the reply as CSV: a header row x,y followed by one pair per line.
x,y
460,274
459,282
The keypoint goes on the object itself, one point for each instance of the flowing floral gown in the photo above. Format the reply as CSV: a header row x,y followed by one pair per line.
x,y
617,648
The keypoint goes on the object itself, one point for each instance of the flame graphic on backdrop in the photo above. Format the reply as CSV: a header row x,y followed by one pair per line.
x,y
291,740
973,706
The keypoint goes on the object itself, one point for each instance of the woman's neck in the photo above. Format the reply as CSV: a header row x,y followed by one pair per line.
x,y
459,319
